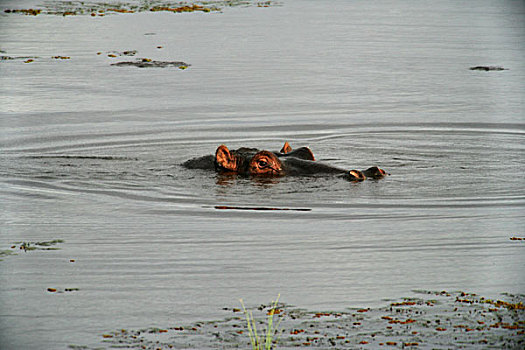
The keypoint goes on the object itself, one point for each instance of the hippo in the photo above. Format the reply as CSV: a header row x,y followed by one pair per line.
x,y
255,162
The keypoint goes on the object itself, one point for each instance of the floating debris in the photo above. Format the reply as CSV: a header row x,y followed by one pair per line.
x,y
61,57
149,63
433,320
488,68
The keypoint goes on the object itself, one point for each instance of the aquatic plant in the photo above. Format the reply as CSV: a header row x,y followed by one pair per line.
x,y
255,339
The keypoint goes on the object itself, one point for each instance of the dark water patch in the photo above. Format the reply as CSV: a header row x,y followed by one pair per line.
x,y
427,320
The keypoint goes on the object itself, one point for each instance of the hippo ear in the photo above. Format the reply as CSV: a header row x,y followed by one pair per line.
x,y
286,148
356,175
224,159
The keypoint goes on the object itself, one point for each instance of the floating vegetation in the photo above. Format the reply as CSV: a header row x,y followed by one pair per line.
x,y
517,238
149,63
431,320
47,245
30,246
100,9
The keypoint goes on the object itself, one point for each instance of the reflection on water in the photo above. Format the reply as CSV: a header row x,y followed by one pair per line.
x,y
91,155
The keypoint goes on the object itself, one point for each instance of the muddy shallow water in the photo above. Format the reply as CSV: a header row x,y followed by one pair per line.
x,y
91,156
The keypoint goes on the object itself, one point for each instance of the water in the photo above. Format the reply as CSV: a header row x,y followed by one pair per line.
x,y
91,154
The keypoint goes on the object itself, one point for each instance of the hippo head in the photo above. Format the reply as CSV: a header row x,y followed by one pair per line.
x,y
265,163
247,161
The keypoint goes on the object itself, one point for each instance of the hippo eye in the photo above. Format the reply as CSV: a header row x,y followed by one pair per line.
x,y
263,164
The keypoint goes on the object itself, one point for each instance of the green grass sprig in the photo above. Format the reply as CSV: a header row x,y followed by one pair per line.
x,y
255,338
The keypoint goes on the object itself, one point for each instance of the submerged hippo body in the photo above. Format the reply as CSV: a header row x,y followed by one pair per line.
x,y
251,161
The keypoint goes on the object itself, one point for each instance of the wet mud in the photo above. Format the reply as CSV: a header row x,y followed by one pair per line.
x,y
430,320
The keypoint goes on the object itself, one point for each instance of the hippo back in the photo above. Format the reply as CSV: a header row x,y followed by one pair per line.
x,y
296,166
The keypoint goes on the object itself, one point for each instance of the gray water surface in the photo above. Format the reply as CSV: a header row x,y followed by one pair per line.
x,y
91,155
